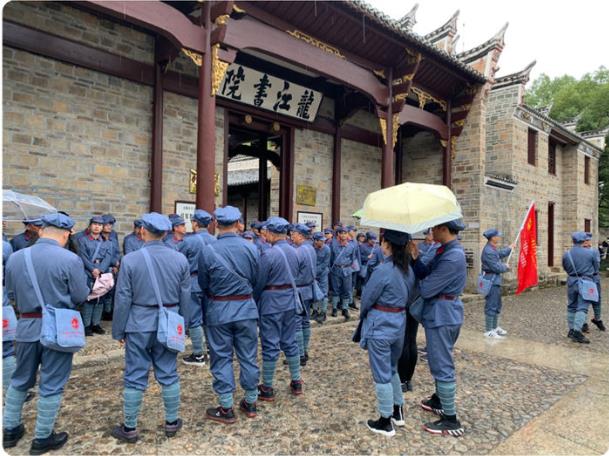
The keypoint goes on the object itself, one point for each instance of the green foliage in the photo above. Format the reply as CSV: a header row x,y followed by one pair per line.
x,y
586,100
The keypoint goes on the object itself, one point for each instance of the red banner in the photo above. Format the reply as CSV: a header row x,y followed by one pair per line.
x,y
527,260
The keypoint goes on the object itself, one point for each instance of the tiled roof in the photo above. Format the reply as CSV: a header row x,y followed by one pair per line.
x,y
392,25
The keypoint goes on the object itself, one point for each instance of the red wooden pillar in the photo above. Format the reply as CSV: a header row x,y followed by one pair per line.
x,y
399,160
388,171
206,123
336,171
447,153
156,163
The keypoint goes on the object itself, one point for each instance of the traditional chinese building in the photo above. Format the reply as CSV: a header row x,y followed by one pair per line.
x,y
292,108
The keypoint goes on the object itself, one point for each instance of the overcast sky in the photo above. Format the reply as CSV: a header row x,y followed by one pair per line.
x,y
565,37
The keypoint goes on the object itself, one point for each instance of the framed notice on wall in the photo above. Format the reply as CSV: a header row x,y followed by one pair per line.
x,y
315,217
186,210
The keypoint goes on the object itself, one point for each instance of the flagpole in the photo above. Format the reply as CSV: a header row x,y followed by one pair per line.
x,y
526,215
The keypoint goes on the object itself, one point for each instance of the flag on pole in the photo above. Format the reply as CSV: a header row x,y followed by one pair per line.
x,y
527,260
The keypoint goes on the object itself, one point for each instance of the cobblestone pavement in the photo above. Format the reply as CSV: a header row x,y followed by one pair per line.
x,y
528,394
540,315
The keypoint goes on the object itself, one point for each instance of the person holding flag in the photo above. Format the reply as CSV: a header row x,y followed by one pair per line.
x,y
493,267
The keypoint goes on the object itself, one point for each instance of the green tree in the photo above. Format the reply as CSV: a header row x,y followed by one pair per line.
x,y
586,100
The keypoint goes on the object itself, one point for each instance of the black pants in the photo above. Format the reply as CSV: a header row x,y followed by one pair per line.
x,y
408,359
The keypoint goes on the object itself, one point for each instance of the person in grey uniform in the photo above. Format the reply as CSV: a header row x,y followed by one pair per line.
x,y
133,241
383,315
322,268
493,267
63,284
8,346
580,264
29,236
227,276
136,319
596,306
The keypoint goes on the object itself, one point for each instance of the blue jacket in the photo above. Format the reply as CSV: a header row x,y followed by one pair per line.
x,y
388,286
441,284
492,264
307,258
272,272
215,280
585,261
61,278
135,304
428,251
322,266
116,249
102,260
23,240
365,250
131,243
7,250
377,258
342,257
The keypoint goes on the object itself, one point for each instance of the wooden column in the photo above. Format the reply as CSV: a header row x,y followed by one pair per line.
x,y
399,160
206,123
447,155
387,172
262,189
156,164
336,171
226,158
286,178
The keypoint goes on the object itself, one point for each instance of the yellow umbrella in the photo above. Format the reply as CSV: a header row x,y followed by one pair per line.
x,y
358,214
410,207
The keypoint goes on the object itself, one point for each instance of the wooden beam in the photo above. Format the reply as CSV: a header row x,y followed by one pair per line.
x,y
220,8
387,163
416,116
159,17
156,165
247,33
336,168
58,48
447,162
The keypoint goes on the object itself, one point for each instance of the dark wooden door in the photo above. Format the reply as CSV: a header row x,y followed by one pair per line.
x,y
550,234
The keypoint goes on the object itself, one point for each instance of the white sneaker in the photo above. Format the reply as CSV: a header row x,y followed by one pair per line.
x,y
492,334
499,330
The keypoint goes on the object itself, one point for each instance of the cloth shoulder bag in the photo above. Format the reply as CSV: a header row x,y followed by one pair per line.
x,y
170,332
587,288
62,329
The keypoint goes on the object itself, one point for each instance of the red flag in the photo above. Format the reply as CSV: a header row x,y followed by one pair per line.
x,y
527,260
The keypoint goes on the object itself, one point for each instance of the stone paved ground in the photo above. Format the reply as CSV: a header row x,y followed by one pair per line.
x,y
540,316
523,395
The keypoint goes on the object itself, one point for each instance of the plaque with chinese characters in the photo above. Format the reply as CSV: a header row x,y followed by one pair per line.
x,y
264,91
306,195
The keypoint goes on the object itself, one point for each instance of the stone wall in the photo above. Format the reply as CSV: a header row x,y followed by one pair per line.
x,y
361,174
77,138
313,167
499,130
422,158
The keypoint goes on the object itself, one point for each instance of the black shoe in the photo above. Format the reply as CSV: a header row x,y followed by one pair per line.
x,y
296,387
194,360
599,324
570,334
433,405
448,425
52,442
346,314
381,426
221,415
10,437
171,429
398,416
303,361
120,433
314,315
585,328
579,337
334,313
406,386
247,408
98,329
88,331
352,305
266,394
321,317
107,316
30,395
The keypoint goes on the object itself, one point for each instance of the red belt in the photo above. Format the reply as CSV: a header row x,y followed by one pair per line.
x,y
231,298
277,287
31,315
448,297
388,309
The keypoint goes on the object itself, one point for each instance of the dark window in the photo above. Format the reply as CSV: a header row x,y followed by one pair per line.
x,y
532,146
550,234
552,158
586,170
587,225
